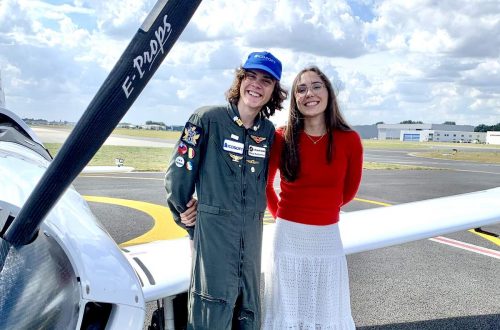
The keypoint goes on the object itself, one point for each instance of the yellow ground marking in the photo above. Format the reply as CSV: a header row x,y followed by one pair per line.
x,y
268,217
371,202
164,226
493,239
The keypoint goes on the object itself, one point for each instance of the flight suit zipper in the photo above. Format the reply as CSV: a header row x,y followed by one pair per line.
x,y
243,203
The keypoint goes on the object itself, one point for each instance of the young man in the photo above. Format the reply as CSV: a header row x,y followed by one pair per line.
x,y
223,154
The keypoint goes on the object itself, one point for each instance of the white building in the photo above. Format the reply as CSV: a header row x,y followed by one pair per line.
x,y
393,131
154,127
493,137
442,136
125,125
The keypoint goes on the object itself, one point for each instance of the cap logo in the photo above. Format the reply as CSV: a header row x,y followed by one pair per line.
x,y
265,57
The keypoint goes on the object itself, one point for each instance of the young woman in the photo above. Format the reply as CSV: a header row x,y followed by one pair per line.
x,y
320,161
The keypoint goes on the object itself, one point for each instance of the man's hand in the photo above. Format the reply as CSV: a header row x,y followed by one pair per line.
x,y
188,217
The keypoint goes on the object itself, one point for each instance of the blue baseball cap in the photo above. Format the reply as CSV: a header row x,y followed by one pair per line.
x,y
264,61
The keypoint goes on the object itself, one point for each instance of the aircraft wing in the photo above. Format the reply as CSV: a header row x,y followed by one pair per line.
x,y
360,231
381,227
163,267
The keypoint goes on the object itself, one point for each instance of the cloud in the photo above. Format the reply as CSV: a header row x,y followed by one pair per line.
x,y
389,60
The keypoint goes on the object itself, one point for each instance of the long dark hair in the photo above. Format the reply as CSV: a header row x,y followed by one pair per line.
x,y
275,103
290,159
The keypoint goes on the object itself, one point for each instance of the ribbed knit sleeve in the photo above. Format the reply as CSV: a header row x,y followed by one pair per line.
x,y
274,161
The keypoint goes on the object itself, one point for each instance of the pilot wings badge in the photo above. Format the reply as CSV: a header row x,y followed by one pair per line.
x,y
235,158
257,139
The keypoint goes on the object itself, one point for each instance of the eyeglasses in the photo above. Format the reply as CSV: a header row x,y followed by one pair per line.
x,y
315,88
254,77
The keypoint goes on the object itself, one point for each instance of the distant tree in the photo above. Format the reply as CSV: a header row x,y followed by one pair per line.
x,y
481,128
411,122
449,123
485,128
150,122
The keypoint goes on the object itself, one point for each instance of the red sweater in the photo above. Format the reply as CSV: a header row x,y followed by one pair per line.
x,y
320,189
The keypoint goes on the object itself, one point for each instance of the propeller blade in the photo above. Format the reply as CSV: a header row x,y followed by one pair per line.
x,y
134,69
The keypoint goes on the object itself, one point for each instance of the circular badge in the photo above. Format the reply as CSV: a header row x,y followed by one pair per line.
x,y
182,148
179,161
189,165
252,169
191,153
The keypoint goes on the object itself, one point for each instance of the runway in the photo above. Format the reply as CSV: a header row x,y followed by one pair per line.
x,y
420,285
59,135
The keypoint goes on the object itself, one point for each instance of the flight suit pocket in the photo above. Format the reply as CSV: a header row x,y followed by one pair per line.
x,y
208,312
213,209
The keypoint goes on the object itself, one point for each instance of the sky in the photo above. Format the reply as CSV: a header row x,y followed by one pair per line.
x,y
389,60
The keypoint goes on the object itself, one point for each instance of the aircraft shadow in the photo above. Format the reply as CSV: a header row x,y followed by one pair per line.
x,y
476,322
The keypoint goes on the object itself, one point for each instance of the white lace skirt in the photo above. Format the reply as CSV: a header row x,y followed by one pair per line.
x,y
307,284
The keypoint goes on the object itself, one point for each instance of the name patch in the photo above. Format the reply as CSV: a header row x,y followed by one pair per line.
x,y
255,151
233,146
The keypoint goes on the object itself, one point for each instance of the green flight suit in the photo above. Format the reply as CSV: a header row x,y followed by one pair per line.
x,y
227,164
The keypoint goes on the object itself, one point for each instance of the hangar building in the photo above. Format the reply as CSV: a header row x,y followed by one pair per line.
x,y
443,136
393,131
493,137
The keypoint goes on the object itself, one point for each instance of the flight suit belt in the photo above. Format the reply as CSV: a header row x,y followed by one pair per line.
x,y
219,211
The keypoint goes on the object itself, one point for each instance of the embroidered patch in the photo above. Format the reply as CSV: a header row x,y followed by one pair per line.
x,y
191,134
255,151
257,139
235,158
233,146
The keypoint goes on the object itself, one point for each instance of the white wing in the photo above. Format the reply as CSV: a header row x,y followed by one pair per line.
x,y
381,227
360,230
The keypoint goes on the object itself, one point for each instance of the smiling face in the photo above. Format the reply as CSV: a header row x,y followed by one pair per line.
x,y
256,90
311,95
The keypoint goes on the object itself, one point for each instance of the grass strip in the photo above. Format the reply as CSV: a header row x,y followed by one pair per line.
x,y
140,158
